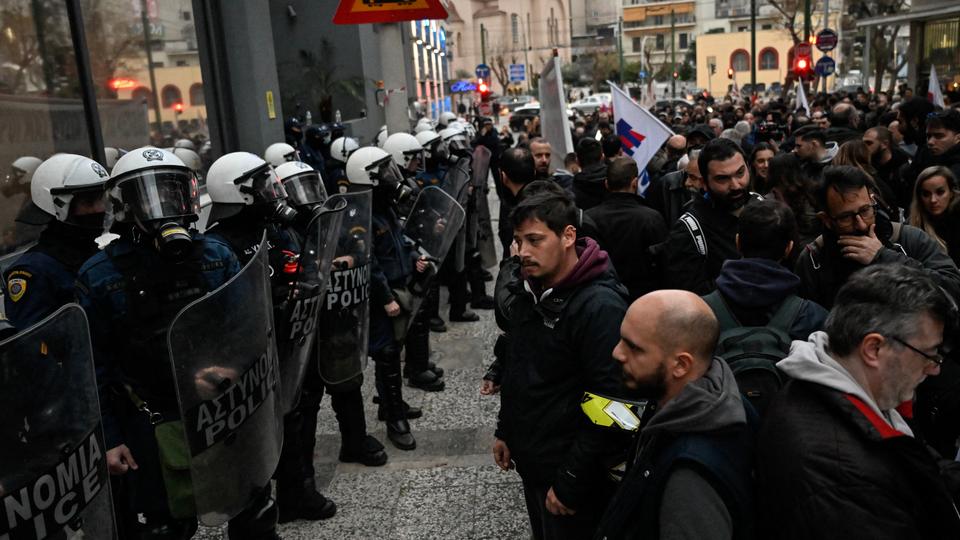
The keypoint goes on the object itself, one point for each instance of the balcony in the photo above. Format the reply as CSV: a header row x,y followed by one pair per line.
x,y
661,21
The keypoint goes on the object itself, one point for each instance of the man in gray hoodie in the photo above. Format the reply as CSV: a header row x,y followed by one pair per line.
x,y
835,458
689,475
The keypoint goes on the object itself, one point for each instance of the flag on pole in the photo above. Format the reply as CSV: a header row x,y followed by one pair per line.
x,y
934,95
641,133
802,99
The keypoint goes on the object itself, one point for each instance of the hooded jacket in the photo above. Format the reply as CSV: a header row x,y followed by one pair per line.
x,y
832,464
561,345
588,188
754,289
694,453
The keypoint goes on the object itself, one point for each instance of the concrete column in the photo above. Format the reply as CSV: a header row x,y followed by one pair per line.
x,y
394,77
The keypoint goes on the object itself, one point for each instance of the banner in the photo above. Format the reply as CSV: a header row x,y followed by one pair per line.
x,y
934,95
641,133
554,124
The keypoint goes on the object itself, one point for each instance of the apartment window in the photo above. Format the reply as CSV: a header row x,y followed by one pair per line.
x,y
683,41
660,41
636,44
658,20
766,27
515,28
741,29
740,60
769,59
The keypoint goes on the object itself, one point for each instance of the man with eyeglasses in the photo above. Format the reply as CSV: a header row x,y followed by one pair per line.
x,y
835,459
856,234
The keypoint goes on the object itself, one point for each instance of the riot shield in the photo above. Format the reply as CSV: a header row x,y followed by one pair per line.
x,y
431,227
53,468
345,314
456,183
298,316
481,166
225,370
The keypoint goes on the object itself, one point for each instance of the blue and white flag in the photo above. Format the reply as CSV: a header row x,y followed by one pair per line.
x,y
641,133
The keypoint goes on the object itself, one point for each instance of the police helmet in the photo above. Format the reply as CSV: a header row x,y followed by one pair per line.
x,y
341,148
149,184
382,136
189,158
57,181
185,143
22,169
431,142
279,153
112,154
241,179
371,166
302,183
456,139
404,148
445,118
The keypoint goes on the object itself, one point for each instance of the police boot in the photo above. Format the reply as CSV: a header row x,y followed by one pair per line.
x,y
458,299
478,290
171,529
310,505
410,412
258,521
431,306
390,388
355,445
417,367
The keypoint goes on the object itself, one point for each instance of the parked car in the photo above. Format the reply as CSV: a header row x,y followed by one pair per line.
x,y
521,114
592,104
511,103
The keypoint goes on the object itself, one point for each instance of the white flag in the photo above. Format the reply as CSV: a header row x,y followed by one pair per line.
x,y
934,95
641,133
554,123
802,99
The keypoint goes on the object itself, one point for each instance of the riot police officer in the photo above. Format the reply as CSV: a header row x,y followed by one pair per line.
x,y
248,200
335,177
68,198
132,291
394,261
279,153
306,193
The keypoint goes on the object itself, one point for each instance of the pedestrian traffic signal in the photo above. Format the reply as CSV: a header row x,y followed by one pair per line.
x,y
730,73
802,66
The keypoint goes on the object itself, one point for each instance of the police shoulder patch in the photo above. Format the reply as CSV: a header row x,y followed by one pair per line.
x,y
16,288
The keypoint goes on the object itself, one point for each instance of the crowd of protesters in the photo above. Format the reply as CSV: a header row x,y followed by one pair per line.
x,y
775,307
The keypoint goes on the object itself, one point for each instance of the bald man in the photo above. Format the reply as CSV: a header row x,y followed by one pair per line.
x,y
689,475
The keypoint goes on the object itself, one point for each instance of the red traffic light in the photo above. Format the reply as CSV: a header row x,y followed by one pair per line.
x,y
483,88
178,107
802,64
676,75
730,73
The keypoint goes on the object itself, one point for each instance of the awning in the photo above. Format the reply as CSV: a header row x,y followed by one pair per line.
x,y
923,14
640,12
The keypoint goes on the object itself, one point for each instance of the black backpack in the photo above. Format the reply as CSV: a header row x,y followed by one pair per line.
x,y
753,351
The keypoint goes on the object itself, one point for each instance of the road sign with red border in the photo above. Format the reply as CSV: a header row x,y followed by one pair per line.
x,y
803,49
387,11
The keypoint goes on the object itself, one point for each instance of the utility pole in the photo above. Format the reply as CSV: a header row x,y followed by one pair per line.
x,y
673,51
826,24
753,48
153,79
483,44
620,47
806,20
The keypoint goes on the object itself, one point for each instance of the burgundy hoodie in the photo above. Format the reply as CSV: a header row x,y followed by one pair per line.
x,y
592,262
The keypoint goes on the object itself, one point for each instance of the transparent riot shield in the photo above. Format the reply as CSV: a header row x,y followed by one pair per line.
x,y
345,313
481,166
431,227
53,468
298,316
225,370
457,181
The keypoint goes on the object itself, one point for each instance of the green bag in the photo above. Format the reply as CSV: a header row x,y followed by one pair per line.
x,y
175,466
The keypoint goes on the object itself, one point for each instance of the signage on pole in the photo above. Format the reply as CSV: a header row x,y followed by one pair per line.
x,y
826,40
386,11
518,72
802,49
826,66
463,86
642,74
483,71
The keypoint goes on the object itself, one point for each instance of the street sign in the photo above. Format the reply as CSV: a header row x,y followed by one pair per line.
x,y
463,86
826,66
483,71
826,40
518,72
802,49
387,11
642,74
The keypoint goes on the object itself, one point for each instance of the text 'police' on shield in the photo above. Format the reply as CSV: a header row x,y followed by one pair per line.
x,y
348,287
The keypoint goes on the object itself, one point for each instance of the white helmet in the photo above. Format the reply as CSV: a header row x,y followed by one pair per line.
x,y
241,179
279,153
150,184
342,147
445,118
382,136
189,158
430,141
21,171
455,138
369,166
58,179
112,155
302,183
185,143
404,148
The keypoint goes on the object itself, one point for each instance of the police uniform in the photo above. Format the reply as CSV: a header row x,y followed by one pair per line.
x,y
131,295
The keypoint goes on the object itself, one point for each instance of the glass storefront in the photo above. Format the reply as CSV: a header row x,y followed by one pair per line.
x,y
941,46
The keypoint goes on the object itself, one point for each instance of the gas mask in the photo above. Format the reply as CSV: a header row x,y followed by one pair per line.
x,y
389,183
162,203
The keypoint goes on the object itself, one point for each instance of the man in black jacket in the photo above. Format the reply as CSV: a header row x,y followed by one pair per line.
x,y
559,300
689,475
704,237
887,158
856,235
942,129
626,228
835,458
588,183
517,169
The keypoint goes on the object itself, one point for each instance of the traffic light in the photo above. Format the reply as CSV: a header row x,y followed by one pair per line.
x,y
676,75
730,73
713,69
178,107
484,91
803,65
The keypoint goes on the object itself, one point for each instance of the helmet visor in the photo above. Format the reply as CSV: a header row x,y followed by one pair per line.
x,y
458,145
385,171
160,194
305,189
265,185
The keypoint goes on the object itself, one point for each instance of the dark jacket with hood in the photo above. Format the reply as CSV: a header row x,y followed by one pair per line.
x,y
562,344
754,288
669,196
823,269
693,260
588,185
831,464
949,159
626,229
690,475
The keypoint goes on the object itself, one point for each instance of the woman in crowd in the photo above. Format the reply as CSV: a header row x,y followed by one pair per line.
x,y
760,158
789,182
936,208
